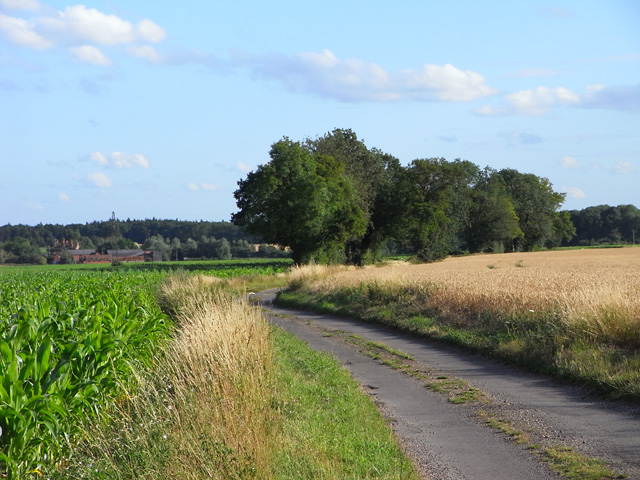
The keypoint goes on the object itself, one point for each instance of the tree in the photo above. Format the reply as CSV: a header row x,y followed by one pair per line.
x,y
21,250
301,200
374,176
492,220
536,204
158,244
437,195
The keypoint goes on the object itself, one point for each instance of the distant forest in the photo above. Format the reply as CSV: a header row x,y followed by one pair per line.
x,y
597,225
175,239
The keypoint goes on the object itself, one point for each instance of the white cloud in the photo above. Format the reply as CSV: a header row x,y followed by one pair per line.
x,y
21,32
120,160
151,32
79,24
353,79
574,192
29,5
99,179
64,198
540,100
449,83
81,29
570,163
98,158
91,54
146,52
622,168
123,160
195,187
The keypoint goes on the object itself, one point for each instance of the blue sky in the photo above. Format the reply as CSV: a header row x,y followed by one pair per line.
x,y
157,109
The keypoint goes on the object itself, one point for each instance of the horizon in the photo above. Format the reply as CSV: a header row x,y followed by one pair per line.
x,y
153,110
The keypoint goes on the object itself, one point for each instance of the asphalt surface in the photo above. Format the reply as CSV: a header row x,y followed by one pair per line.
x,y
450,442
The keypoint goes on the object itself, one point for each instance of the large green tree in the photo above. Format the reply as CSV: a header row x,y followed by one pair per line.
x,y
374,176
437,204
536,204
302,200
492,220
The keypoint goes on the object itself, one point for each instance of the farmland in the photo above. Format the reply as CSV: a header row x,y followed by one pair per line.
x,y
571,313
72,341
139,372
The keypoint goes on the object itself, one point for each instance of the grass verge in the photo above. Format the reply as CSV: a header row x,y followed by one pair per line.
x,y
234,398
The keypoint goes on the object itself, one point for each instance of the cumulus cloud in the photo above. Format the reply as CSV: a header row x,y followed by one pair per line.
x,y
81,29
79,24
99,179
541,100
64,198
196,187
21,32
120,160
90,54
569,163
353,80
574,192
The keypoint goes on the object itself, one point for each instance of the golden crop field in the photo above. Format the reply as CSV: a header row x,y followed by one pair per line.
x,y
595,290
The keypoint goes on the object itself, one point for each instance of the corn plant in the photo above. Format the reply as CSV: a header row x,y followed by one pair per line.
x,y
69,343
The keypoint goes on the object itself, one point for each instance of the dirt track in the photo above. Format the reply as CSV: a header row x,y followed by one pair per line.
x,y
449,441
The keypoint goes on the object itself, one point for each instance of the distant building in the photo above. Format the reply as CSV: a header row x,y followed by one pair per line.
x,y
92,256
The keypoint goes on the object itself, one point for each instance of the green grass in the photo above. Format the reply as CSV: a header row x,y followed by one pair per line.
x,y
330,429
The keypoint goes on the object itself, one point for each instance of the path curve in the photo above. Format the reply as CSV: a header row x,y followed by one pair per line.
x,y
449,442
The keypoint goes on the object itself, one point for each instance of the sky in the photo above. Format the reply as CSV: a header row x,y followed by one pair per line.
x,y
156,109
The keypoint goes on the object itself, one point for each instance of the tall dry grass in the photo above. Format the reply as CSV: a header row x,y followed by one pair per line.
x,y
206,411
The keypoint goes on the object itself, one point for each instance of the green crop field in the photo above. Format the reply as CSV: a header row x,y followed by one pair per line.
x,y
71,339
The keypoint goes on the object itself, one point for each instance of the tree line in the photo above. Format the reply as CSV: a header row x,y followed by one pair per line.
x,y
605,225
175,239
333,199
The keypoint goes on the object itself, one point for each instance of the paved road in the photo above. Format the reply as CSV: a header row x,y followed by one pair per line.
x,y
450,442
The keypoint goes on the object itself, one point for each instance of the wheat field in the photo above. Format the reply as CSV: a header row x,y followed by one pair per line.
x,y
596,291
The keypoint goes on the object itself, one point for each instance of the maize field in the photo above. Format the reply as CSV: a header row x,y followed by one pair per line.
x,y
69,343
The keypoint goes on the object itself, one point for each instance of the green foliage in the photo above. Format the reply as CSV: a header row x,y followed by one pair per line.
x,y
300,200
69,342
535,205
603,224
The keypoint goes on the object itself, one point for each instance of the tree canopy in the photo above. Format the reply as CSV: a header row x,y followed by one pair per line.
x,y
334,199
